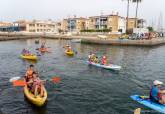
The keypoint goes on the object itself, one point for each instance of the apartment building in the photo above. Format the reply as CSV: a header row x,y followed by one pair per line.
x,y
5,24
98,22
114,23
87,24
8,27
38,26
141,23
73,24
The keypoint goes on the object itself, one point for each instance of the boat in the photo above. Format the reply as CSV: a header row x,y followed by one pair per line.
x,y
43,50
69,53
29,57
76,40
37,101
102,37
110,66
149,103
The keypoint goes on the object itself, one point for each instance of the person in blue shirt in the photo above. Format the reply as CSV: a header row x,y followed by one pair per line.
x,y
156,94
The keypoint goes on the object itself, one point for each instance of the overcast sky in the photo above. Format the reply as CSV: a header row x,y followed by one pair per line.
x,y
11,10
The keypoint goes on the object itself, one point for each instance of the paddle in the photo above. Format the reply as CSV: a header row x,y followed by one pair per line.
x,y
56,79
14,79
19,83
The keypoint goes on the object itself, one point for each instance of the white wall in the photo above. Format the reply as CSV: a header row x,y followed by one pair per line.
x,y
122,24
140,30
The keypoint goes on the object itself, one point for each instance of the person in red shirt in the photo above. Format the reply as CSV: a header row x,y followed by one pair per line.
x,y
104,60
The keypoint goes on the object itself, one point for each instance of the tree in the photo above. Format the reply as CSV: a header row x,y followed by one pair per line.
x,y
150,29
128,3
137,6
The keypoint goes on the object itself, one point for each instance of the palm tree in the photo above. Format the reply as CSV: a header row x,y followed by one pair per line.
x,y
128,3
137,6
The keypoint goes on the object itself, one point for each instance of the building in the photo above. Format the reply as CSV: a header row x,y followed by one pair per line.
x,y
98,22
8,27
87,24
73,24
5,24
131,23
114,23
64,25
39,26
141,23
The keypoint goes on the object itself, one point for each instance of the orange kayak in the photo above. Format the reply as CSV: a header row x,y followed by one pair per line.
x,y
44,50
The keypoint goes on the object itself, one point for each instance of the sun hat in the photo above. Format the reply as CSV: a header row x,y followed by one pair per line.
x,y
157,82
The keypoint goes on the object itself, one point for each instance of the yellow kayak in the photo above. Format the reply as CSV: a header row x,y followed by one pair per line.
x,y
38,101
71,53
30,57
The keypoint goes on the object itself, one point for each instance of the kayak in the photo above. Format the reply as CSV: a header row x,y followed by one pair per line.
x,y
149,103
70,53
29,57
110,66
44,50
38,101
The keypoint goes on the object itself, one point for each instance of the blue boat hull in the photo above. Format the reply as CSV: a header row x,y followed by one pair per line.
x,y
110,66
147,102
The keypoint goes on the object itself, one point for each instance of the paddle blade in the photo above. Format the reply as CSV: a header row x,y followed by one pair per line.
x,y
56,79
14,79
19,83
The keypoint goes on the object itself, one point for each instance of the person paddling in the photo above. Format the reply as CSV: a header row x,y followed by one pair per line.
x,y
37,85
29,76
104,60
29,73
23,51
90,57
156,93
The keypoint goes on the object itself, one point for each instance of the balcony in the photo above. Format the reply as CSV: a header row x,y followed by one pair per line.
x,y
101,23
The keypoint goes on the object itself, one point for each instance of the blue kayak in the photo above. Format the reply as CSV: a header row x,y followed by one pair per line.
x,y
110,66
147,102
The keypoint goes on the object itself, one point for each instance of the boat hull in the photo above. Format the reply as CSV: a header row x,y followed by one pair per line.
x,y
38,101
30,57
110,66
147,102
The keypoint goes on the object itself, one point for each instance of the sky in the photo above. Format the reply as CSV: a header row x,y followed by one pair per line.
x,y
12,10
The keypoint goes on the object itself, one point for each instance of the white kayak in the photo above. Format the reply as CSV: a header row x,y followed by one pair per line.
x,y
110,66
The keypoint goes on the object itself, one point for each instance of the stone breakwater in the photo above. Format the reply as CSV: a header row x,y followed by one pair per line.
x,y
84,39
17,36
152,42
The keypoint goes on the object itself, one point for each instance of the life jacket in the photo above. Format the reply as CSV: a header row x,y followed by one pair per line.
x,y
29,74
152,98
104,60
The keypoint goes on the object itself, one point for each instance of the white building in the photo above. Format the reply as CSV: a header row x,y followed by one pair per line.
x,y
122,24
38,26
